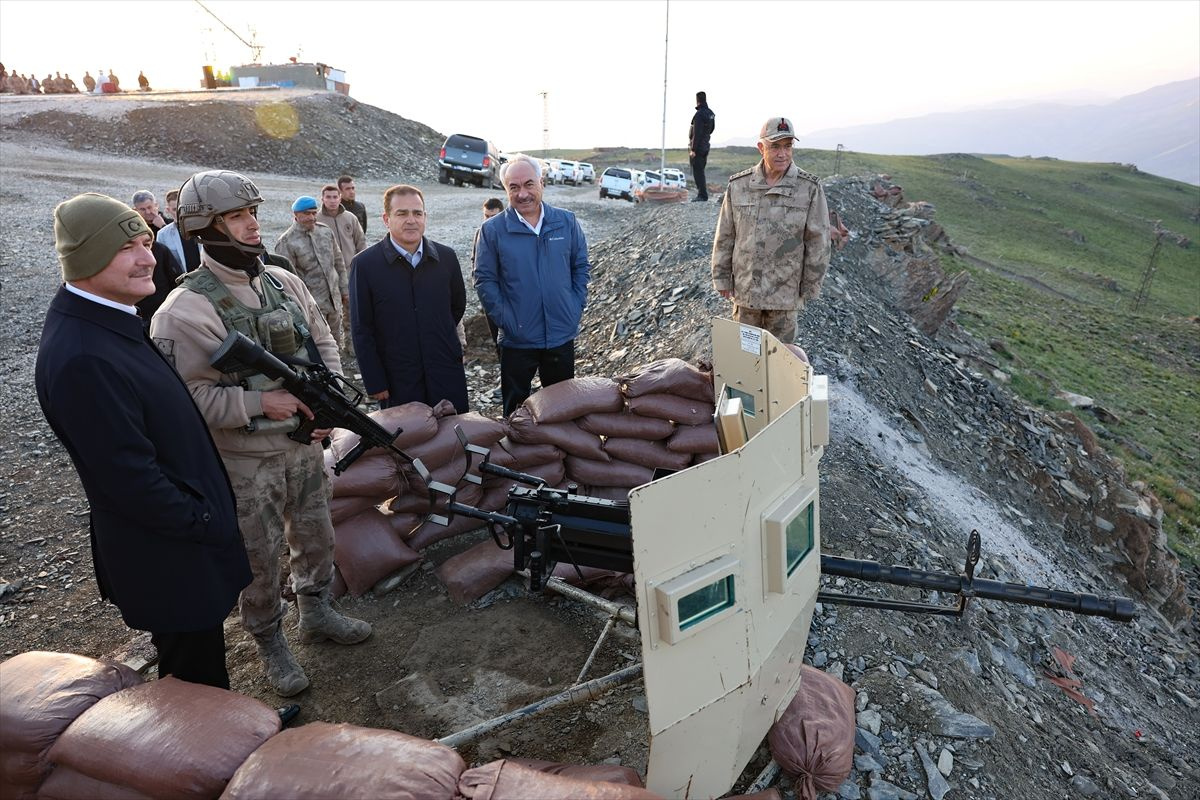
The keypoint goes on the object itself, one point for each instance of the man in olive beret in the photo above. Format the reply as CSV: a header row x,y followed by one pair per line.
x,y
166,546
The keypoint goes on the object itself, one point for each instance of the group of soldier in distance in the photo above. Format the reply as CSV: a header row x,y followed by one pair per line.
x,y
193,482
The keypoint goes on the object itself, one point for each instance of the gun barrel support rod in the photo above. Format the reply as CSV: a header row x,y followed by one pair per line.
x,y
581,693
608,626
622,612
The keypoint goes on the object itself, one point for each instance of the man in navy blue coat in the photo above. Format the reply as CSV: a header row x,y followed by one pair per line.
x,y
406,298
531,272
165,541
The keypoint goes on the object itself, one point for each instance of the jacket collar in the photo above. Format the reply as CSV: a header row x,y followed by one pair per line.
x,y
117,321
759,179
513,223
428,250
227,275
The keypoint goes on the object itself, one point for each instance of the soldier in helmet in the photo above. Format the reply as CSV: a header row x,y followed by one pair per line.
x,y
771,247
282,492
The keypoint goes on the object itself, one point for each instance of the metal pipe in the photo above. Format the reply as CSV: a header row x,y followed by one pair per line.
x,y
621,611
765,778
591,690
608,626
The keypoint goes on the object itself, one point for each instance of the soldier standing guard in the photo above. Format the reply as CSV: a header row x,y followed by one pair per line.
x,y
771,248
316,258
282,492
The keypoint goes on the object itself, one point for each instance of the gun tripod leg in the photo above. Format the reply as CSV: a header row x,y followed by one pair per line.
x,y
608,626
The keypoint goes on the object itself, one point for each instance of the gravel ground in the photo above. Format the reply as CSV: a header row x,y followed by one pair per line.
x,y
909,471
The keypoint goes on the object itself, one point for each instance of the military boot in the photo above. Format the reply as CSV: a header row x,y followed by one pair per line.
x,y
319,621
284,674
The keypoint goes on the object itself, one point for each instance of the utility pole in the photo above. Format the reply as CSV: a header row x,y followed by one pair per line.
x,y
545,120
837,163
1143,293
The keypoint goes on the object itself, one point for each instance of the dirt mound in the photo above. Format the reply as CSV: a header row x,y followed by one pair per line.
x,y
286,133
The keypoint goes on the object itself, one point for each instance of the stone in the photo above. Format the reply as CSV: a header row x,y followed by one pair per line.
x,y
936,782
882,790
849,791
1076,400
1004,657
934,714
1161,778
927,677
871,744
1070,487
1084,787
870,720
867,763
945,762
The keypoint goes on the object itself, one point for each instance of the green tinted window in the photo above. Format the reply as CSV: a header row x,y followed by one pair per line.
x,y
704,603
799,538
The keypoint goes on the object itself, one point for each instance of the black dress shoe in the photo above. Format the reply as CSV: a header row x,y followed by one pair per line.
x,y
287,714
698,199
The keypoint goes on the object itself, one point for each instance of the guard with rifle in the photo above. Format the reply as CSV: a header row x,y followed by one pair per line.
x,y
281,489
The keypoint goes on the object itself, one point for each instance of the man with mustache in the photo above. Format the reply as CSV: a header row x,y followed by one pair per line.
x,y
531,272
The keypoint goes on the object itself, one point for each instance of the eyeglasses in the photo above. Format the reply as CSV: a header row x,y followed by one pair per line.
x,y
781,146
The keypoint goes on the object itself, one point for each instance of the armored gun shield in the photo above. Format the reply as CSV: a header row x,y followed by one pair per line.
x,y
727,563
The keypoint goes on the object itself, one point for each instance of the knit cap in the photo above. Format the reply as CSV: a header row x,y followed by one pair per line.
x,y
89,229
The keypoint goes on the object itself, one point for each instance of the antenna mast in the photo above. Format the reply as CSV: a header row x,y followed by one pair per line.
x,y
545,120
666,44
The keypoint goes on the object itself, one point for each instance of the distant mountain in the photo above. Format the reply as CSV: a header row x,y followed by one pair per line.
x,y
1158,130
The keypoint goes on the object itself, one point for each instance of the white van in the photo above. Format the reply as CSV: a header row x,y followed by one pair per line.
x,y
674,178
617,182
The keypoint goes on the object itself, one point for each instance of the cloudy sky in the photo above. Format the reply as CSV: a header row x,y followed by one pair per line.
x,y
478,67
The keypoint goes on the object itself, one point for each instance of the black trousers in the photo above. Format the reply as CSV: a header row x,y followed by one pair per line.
x,y
699,162
495,331
195,656
518,366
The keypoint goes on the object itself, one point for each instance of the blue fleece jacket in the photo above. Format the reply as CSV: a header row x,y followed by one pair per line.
x,y
534,287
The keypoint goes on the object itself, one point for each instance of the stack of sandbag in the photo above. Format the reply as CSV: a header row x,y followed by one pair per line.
x,y
813,740
320,761
533,780
40,695
166,738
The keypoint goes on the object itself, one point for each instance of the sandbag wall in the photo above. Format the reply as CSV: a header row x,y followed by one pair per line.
x,y
606,435
73,728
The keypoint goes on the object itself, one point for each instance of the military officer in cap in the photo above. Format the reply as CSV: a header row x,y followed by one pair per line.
x,y
771,248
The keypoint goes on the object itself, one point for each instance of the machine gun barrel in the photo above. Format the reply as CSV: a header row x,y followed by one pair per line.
x,y
965,586
331,398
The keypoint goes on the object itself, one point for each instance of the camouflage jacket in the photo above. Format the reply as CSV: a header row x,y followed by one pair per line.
x,y
317,260
772,242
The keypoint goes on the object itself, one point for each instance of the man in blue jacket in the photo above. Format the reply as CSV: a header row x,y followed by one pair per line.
x,y
531,272
165,540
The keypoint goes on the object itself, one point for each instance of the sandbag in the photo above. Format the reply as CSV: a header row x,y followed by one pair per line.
x,y
695,439
343,508
324,761
567,436
813,740
504,780
626,425
570,399
375,474
416,419
797,351
444,408
167,738
444,445
468,493
367,550
525,455
611,473
654,455
669,376
431,532
65,783
613,773
473,573
685,411
405,525
337,586
40,695
700,458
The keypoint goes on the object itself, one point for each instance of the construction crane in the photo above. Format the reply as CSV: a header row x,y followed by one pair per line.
x,y
253,44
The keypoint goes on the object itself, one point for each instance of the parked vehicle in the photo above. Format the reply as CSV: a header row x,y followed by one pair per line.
x,y
617,182
570,172
674,178
555,173
589,172
469,159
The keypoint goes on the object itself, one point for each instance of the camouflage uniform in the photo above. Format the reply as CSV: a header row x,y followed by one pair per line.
x,y
316,258
281,489
771,247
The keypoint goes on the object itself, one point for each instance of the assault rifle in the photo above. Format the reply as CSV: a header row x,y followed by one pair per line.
x,y
544,526
332,399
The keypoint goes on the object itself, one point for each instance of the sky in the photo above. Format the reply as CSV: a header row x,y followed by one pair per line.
x,y
479,67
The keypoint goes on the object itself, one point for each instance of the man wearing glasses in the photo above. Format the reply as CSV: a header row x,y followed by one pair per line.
x,y
771,248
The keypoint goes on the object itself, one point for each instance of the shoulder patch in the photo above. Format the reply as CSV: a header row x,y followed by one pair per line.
x,y
167,348
808,176
741,174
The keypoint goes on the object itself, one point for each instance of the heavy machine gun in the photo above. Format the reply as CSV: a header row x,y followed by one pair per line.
x,y
544,527
332,399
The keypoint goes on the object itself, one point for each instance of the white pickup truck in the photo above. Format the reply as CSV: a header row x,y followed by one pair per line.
x,y
617,182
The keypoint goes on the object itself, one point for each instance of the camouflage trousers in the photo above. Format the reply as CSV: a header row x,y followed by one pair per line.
x,y
282,497
331,310
781,324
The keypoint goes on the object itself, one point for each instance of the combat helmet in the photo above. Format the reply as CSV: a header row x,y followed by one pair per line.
x,y
207,195
204,197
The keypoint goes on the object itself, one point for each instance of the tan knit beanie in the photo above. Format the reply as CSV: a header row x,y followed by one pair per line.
x,y
89,229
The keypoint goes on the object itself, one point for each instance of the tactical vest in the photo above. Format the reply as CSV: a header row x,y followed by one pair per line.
x,y
278,327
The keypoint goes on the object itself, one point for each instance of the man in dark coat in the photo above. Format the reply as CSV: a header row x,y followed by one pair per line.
x,y
165,540
704,121
406,298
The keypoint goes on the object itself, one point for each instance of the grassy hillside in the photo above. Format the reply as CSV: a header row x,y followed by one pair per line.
x,y
1068,244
